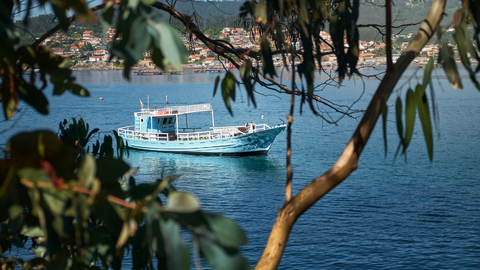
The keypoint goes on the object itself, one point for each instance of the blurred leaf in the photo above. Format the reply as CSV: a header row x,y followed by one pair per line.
x,y
217,80
465,47
108,12
79,90
245,73
110,170
32,231
398,112
384,127
409,118
246,8
228,233
61,14
424,115
428,72
228,90
266,55
30,94
178,254
171,45
445,57
141,191
261,12
219,259
86,173
182,202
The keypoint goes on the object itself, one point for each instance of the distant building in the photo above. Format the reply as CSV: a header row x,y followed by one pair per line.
x,y
95,58
87,35
208,61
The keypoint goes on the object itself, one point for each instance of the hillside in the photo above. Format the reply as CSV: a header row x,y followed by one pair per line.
x,y
214,15
371,12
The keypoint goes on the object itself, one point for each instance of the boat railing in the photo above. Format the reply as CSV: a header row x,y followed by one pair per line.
x,y
216,133
262,127
176,110
130,133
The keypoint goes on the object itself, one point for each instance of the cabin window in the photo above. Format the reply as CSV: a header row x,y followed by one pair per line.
x,y
141,120
170,120
158,121
164,121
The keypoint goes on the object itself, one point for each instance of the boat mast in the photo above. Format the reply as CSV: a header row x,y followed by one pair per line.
x,y
176,121
213,121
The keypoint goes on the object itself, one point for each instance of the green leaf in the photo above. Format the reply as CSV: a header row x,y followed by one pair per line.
x,y
266,55
182,202
261,12
108,12
30,94
445,57
217,80
61,14
86,173
398,112
465,47
228,90
219,259
424,114
384,127
79,90
169,43
428,72
228,233
143,190
56,200
158,58
245,74
178,254
409,117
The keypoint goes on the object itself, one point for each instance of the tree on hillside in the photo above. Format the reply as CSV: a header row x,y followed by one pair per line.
x,y
137,217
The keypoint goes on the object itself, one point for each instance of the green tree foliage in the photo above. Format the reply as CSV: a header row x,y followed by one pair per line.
x,y
78,206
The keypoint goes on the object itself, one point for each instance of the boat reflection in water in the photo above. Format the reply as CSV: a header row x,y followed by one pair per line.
x,y
158,130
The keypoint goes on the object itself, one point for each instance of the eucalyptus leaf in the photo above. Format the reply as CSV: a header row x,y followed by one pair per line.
x,y
182,202
424,114
178,254
228,233
410,109
384,127
445,57
219,259
398,113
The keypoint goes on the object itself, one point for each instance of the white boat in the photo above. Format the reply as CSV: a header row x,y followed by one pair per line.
x,y
158,130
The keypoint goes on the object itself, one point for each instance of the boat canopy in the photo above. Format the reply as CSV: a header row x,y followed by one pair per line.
x,y
175,110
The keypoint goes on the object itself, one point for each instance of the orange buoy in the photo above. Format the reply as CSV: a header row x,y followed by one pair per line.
x,y
162,112
101,98
318,98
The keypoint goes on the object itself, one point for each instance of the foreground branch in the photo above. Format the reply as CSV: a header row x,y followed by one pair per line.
x,y
348,161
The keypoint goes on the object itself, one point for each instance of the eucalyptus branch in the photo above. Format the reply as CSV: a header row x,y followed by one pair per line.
x,y
348,161
31,185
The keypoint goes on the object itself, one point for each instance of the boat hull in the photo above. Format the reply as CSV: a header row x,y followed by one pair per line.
x,y
257,143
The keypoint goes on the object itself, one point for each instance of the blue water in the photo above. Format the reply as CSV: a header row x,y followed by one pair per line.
x,y
405,214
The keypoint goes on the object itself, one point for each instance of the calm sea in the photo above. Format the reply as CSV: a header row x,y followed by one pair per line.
x,y
408,214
